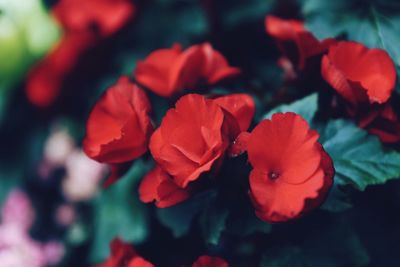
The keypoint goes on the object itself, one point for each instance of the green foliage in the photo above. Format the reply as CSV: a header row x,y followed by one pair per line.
x,y
179,218
371,22
237,12
118,213
26,33
306,107
213,222
360,159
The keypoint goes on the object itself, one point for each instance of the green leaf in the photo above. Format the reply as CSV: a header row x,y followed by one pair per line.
x,y
243,11
118,212
213,222
372,23
337,200
359,158
179,218
306,107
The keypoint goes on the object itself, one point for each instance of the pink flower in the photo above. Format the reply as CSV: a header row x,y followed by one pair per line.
x,y
83,177
17,210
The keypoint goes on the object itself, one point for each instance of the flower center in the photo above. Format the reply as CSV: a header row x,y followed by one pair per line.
x,y
273,175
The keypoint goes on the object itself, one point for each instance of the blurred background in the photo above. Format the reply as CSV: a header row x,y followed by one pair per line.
x,y
58,57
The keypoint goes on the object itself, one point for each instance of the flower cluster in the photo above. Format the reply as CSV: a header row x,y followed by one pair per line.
x,y
199,132
18,249
364,78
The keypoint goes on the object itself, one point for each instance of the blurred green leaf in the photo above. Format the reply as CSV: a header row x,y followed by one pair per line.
x,y
118,212
179,218
27,32
306,107
237,12
371,22
359,158
213,222
337,200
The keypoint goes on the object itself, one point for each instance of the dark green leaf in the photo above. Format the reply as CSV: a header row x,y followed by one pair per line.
x,y
359,158
118,212
213,222
337,200
179,218
236,12
306,107
373,23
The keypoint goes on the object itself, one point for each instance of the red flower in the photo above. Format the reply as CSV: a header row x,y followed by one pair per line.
x,y
359,74
207,261
103,17
190,139
46,78
295,42
170,70
291,171
382,121
194,136
241,106
158,186
124,255
85,23
119,126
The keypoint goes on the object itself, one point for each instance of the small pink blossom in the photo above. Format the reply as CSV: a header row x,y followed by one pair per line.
x,y
17,210
83,177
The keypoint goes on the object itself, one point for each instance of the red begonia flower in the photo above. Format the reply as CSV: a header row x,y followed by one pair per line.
x,y
119,126
359,74
170,70
84,24
291,171
102,16
190,139
45,80
383,122
124,255
159,186
241,106
295,42
207,261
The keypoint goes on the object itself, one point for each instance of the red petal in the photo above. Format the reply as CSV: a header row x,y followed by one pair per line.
x,y
154,71
215,66
158,186
350,66
241,106
239,146
106,16
284,145
117,171
283,29
208,261
289,32
139,262
124,109
189,139
45,80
